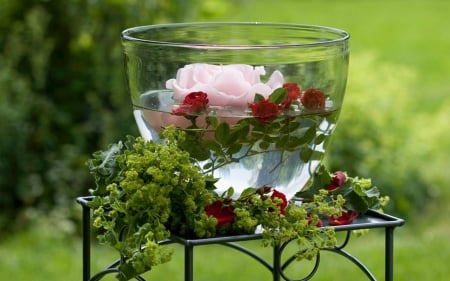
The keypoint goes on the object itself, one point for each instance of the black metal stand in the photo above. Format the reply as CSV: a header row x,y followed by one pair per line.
x,y
370,220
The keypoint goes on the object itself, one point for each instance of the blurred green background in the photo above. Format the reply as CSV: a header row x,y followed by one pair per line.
x,y
63,97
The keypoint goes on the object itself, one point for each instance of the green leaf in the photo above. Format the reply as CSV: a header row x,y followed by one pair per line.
x,y
258,98
196,150
228,193
321,179
264,145
372,192
278,96
256,134
222,133
104,166
305,154
281,142
213,146
212,120
355,202
207,166
234,148
210,182
240,131
317,155
309,135
319,139
290,127
248,191
293,143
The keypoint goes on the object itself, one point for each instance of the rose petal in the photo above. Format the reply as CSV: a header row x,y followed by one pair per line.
x,y
204,73
261,89
234,85
251,74
282,206
276,80
231,83
185,77
346,217
223,214
339,178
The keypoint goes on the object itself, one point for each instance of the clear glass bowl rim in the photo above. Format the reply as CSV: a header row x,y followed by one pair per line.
x,y
340,36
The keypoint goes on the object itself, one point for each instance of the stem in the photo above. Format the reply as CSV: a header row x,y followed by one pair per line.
x,y
248,153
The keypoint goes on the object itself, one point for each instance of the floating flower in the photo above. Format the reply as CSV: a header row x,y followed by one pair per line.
x,y
293,93
194,103
265,111
313,99
226,85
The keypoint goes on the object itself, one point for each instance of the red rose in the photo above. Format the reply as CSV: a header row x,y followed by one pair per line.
x,y
337,181
293,93
313,99
339,178
346,217
282,206
194,102
332,187
223,214
265,111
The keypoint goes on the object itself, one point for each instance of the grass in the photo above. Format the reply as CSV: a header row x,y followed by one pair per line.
x,y
412,34
41,254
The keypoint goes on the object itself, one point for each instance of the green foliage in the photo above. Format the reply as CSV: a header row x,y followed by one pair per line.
x,y
284,132
378,133
63,90
359,193
145,191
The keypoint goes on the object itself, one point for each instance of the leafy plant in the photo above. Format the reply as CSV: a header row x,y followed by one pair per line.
x,y
63,92
147,191
381,135
144,191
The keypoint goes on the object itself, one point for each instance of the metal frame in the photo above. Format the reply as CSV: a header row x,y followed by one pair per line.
x,y
370,220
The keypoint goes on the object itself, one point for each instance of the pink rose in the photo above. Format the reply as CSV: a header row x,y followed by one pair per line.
x,y
226,85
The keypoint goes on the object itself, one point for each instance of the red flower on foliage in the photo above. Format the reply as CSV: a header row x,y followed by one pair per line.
x,y
282,206
194,102
265,111
223,214
313,99
293,93
346,217
337,181
319,222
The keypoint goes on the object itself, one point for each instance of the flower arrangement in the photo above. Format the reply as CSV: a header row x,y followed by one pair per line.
x,y
235,122
148,190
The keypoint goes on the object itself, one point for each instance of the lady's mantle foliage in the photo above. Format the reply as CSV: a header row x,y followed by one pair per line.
x,y
145,191
148,191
